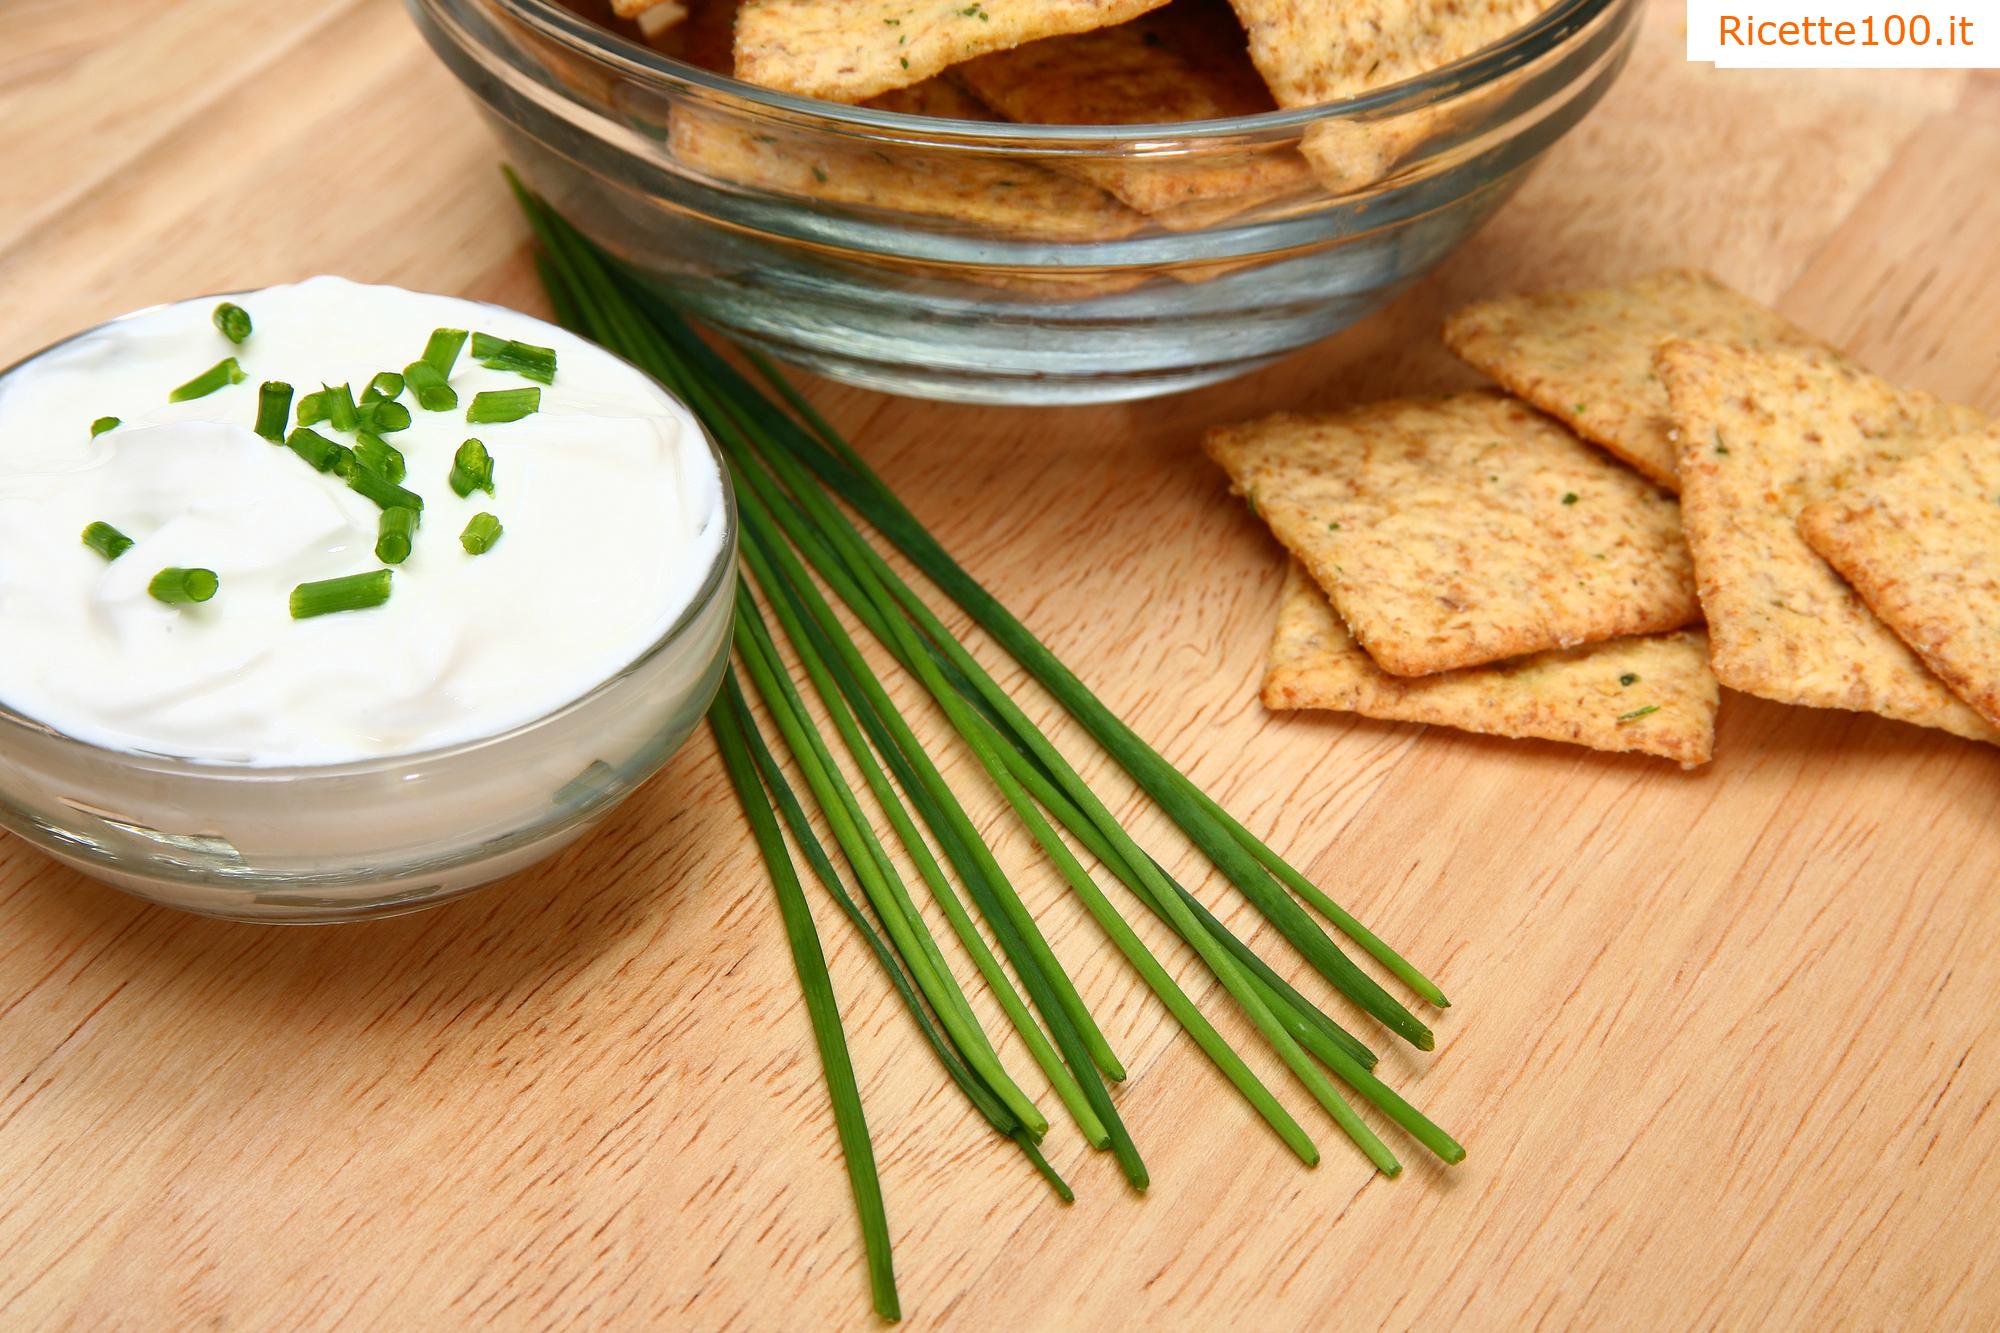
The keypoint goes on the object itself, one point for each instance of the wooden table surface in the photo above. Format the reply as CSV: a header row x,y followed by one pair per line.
x,y
1723,1045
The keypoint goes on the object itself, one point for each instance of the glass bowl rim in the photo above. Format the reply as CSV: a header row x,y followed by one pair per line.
x,y
713,586
1545,33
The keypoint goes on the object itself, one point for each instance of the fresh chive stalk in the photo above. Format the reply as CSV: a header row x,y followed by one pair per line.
x,y
500,405
318,451
106,540
730,721
481,531
274,408
471,469
380,457
384,416
396,531
233,322
178,587
441,351
374,486
350,592
386,384
341,411
433,394
102,424
523,359
222,373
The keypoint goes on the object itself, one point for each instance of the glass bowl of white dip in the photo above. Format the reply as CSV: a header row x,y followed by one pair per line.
x,y
229,759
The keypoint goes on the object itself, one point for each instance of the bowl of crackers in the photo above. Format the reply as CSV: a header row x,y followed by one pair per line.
x,y
1029,201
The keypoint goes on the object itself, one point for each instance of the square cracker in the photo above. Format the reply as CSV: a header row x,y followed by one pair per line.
x,y
1586,357
1763,434
1921,544
1184,62
1651,695
848,50
1455,531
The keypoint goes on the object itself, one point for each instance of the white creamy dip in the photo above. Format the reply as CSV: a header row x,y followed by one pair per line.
x,y
612,508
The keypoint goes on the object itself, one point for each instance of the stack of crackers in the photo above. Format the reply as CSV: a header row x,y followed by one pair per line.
x,y
1540,562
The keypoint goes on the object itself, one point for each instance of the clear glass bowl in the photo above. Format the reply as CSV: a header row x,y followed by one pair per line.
x,y
346,842
966,259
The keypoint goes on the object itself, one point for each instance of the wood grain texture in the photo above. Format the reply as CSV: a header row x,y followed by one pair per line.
x,y
1723,1047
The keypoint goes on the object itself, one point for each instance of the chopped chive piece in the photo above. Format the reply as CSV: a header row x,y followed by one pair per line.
x,y
1629,678
223,372
1569,497
442,349
386,493
106,540
352,592
384,416
233,321
471,469
433,394
102,424
340,408
380,457
1638,713
486,344
176,586
315,448
398,527
312,409
344,464
388,384
524,359
274,406
497,405
480,534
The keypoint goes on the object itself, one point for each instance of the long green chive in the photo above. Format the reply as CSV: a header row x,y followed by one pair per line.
x,y
393,538
374,486
729,722
102,424
442,349
351,592
177,587
340,408
312,409
315,448
384,416
498,405
380,457
386,384
274,408
222,373
471,469
233,321
523,359
106,540
433,394
480,533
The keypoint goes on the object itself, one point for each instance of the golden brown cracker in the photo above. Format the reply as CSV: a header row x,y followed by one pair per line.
x,y
1586,356
850,50
1452,532
1764,433
1921,544
1650,695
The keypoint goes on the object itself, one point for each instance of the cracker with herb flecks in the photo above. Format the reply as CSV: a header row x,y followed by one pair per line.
x,y
1586,357
1764,433
1452,532
1921,544
1648,695
996,194
849,50
1184,62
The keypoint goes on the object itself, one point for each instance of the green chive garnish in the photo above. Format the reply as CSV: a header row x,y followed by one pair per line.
x,y
1638,713
1629,678
177,587
388,384
498,405
380,457
480,534
106,540
384,416
223,372
353,592
386,493
471,469
340,409
233,321
398,528
523,359
102,424
1569,497
315,448
442,349
433,394
274,405
312,409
